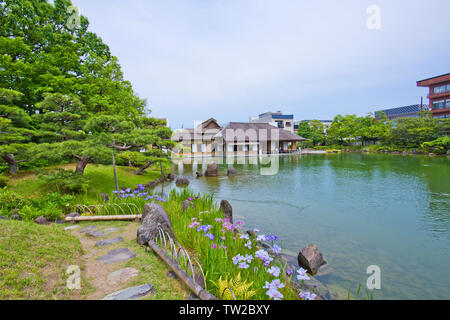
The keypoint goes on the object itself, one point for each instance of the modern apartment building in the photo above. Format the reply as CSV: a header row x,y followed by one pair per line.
x,y
278,119
439,94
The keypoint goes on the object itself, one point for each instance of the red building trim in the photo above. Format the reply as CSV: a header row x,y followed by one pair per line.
x,y
435,82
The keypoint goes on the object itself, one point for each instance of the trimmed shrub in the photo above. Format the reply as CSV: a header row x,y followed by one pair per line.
x,y
65,181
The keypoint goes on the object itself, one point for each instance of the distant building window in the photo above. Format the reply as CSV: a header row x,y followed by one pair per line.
x,y
438,105
447,104
288,124
246,147
440,89
203,147
194,148
448,87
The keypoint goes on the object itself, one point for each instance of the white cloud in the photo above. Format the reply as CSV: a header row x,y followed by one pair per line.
x,y
236,58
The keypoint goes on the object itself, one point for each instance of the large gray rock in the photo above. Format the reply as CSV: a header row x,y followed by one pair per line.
x,y
3,218
212,170
448,152
41,220
134,293
182,182
311,259
232,172
227,210
153,217
199,174
122,254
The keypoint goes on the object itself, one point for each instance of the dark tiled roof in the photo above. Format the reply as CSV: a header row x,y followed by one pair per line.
x,y
253,131
416,108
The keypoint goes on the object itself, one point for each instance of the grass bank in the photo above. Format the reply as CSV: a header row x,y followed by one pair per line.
x,y
101,179
34,259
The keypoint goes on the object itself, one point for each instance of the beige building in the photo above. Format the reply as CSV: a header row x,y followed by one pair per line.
x,y
209,139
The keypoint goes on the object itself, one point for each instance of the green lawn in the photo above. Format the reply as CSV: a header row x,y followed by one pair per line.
x,y
101,179
34,259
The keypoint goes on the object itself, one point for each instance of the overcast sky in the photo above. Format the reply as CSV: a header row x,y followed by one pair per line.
x,y
232,59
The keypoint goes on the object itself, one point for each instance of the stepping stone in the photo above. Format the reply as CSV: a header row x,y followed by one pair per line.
x,y
96,234
105,243
117,255
71,228
134,293
112,230
88,229
122,275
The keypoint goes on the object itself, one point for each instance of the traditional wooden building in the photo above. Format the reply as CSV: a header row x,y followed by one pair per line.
x,y
200,141
236,139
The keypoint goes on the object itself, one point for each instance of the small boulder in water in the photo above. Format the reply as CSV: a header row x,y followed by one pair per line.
x,y
311,259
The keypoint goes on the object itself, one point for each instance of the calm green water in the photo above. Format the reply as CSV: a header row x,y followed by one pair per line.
x,y
360,209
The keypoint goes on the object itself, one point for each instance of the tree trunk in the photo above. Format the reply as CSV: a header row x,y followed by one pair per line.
x,y
141,170
162,172
12,163
82,165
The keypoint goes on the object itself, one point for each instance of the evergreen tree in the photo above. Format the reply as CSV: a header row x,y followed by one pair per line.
x,y
15,130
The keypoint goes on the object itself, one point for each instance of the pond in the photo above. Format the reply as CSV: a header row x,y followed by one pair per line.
x,y
360,209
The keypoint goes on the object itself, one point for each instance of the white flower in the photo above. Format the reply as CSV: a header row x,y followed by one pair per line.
x,y
274,271
261,238
245,236
302,275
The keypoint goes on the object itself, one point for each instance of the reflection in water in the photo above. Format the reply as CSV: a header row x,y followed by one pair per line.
x,y
360,209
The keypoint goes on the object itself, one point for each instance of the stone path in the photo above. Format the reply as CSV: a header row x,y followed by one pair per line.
x,y
105,243
105,261
113,256
134,293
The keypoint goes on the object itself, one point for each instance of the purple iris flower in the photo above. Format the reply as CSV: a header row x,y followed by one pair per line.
x,y
210,236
